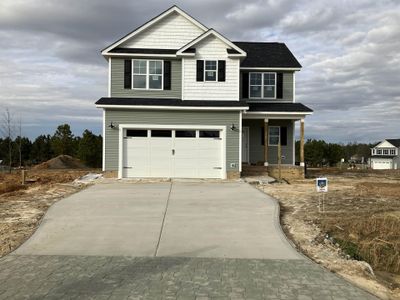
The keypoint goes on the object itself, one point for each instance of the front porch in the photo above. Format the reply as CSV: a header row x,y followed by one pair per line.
x,y
268,145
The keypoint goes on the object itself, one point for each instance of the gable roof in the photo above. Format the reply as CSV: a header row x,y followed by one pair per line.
x,y
206,34
267,55
167,12
394,142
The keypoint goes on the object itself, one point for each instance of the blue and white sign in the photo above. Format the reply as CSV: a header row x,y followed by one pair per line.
x,y
322,185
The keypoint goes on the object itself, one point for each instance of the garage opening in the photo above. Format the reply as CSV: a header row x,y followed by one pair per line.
x,y
173,153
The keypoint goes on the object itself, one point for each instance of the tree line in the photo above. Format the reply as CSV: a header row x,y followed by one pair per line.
x,y
320,153
21,151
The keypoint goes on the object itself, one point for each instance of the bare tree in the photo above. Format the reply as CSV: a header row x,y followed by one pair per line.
x,y
20,142
7,130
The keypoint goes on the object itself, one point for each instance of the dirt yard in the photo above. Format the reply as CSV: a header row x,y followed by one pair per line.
x,y
355,232
22,206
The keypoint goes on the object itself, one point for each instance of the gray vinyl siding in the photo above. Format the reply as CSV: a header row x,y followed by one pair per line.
x,y
256,149
158,117
117,82
287,91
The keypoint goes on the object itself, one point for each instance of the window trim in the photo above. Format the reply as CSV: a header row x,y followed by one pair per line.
x,y
269,135
147,88
216,70
262,85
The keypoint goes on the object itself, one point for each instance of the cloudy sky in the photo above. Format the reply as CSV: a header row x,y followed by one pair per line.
x,y
51,70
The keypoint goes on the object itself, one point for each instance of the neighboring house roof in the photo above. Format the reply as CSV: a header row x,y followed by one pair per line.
x,y
268,55
394,142
169,102
211,31
279,107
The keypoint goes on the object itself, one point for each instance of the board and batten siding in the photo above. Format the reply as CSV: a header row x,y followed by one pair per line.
x,y
211,48
159,117
287,89
171,32
117,82
256,149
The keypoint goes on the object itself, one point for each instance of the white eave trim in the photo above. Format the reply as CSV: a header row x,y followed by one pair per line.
x,y
150,23
218,35
278,113
139,55
269,69
239,108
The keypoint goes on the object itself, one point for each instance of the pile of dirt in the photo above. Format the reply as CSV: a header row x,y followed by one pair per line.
x,y
62,162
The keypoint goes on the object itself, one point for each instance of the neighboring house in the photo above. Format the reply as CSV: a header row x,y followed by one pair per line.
x,y
184,101
385,155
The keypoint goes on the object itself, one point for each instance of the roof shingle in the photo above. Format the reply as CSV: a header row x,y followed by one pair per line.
x,y
268,55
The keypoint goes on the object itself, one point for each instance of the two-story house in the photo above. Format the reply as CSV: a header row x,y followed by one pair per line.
x,y
386,155
185,101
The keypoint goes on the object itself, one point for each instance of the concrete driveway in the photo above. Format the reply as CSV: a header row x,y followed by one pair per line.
x,y
165,241
232,220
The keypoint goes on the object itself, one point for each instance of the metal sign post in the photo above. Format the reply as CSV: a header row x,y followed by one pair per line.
x,y
321,185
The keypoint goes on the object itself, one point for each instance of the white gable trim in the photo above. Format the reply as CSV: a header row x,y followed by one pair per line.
x,y
385,144
205,35
150,23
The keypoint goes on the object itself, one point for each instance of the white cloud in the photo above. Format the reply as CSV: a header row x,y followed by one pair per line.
x,y
51,70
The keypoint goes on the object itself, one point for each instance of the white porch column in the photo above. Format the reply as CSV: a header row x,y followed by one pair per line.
x,y
302,142
266,142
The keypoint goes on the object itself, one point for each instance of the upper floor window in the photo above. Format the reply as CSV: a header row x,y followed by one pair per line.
x,y
262,85
392,151
147,74
210,70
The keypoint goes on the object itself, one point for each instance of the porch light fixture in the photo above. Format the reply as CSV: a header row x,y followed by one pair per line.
x,y
233,127
112,126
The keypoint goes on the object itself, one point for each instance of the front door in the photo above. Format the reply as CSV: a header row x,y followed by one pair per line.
x,y
245,144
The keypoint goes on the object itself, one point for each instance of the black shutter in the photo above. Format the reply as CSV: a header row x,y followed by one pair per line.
x,y
128,74
283,136
221,70
279,85
200,70
167,75
245,85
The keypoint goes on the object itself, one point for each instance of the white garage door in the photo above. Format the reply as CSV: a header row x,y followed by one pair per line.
x,y
381,164
179,153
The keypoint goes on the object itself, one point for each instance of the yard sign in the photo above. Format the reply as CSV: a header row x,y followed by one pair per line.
x,y
322,185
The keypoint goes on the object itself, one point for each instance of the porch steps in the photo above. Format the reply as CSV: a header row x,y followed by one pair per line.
x,y
250,171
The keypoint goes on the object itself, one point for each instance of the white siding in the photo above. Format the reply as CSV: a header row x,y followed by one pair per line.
x,y
211,48
384,144
172,32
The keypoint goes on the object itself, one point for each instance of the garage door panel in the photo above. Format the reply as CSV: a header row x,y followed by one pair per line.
x,y
185,157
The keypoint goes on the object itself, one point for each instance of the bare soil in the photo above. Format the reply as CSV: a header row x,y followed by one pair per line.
x,y
355,231
23,206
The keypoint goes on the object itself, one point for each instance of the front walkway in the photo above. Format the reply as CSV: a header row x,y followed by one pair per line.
x,y
165,241
95,277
